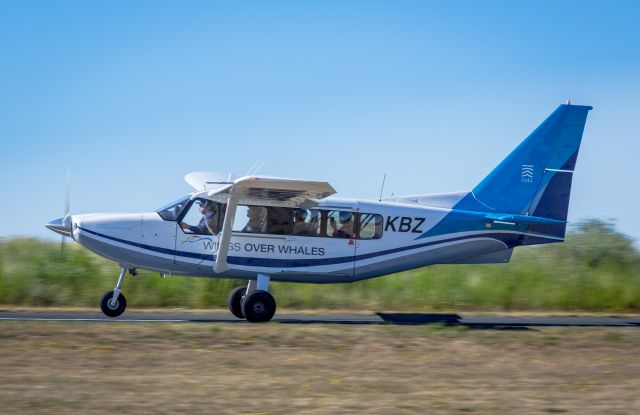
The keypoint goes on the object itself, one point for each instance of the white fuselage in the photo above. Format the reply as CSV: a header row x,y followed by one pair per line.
x,y
147,241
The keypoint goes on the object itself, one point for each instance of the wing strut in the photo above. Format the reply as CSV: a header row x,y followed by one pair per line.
x,y
221,259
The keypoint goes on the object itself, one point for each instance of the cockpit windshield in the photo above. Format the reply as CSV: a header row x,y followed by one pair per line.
x,y
173,209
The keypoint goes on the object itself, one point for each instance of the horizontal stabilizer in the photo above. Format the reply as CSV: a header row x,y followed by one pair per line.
x,y
523,219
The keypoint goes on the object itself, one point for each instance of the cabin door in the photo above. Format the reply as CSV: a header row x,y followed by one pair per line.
x,y
369,244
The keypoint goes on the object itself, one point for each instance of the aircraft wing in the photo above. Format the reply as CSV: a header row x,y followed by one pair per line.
x,y
270,191
262,191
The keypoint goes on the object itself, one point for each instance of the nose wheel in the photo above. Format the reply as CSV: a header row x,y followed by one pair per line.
x,y
113,306
113,302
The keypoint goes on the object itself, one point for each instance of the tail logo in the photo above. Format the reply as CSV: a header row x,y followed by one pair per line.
x,y
526,173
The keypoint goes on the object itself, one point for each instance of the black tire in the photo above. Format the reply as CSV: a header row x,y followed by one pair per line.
x,y
108,309
258,307
235,301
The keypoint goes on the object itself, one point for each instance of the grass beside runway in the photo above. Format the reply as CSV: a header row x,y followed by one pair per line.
x,y
56,367
597,269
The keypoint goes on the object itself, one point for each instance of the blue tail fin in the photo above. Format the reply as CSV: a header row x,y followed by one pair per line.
x,y
535,179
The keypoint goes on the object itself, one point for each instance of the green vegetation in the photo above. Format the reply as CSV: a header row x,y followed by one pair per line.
x,y
597,269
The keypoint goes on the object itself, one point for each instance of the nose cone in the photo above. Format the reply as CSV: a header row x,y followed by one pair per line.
x,y
61,226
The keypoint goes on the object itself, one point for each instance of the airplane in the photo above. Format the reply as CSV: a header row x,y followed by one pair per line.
x,y
261,229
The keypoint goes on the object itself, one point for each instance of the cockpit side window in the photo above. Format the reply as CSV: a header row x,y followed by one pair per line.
x,y
171,211
204,217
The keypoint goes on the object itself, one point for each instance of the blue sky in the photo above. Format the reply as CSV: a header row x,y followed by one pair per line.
x,y
130,96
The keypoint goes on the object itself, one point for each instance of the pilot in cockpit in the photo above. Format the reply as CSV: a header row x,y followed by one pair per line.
x,y
208,223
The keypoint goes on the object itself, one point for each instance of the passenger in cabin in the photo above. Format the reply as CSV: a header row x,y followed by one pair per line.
x,y
257,220
278,220
314,221
208,224
300,226
346,225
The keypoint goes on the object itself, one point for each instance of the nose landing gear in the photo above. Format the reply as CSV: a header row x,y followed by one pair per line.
x,y
111,307
113,302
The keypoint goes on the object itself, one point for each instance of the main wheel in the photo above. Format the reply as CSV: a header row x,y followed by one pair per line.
x,y
235,301
259,306
112,309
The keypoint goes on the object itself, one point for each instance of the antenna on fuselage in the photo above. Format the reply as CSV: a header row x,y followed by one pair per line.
x,y
384,178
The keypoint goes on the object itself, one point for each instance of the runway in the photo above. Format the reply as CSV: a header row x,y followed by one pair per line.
x,y
472,321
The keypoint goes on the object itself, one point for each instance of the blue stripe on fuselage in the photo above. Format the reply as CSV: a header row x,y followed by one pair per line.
x,y
510,240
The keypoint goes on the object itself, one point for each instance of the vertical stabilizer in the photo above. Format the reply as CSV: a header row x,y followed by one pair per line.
x,y
535,179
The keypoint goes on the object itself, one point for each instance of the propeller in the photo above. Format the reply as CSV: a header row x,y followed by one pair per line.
x,y
62,225
66,219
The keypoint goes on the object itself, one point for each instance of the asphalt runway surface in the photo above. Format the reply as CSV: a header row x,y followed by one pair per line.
x,y
471,321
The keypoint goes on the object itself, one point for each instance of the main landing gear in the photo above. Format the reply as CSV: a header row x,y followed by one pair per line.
x,y
113,302
253,302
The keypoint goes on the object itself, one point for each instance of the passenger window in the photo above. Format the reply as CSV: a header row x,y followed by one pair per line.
x,y
203,218
370,226
340,224
250,219
306,222
279,220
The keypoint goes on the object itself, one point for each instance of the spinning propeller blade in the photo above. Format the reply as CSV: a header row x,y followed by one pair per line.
x,y
66,219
